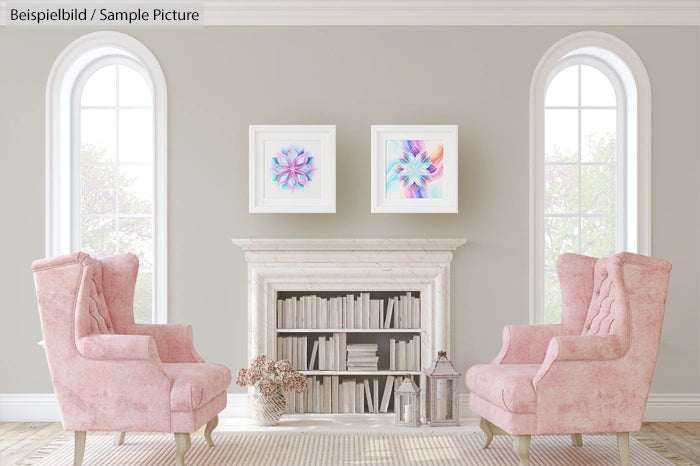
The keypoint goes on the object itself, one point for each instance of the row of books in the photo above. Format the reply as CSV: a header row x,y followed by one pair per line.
x,y
404,354
327,353
333,353
350,311
331,395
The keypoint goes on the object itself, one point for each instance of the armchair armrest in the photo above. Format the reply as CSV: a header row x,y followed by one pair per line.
x,y
567,354
175,342
116,347
526,344
585,347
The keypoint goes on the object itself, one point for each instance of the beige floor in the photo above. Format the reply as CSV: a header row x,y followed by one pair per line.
x,y
20,440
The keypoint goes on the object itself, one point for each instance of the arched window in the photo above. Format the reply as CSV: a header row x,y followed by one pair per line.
x,y
590,104
106,159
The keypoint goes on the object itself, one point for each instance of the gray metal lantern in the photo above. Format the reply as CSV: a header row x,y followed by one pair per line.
x,y
441,393
407,403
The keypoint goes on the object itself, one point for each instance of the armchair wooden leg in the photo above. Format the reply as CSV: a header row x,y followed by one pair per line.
x,y
487,428
623,447
211,425
182,444
119,438
577,440
79,447
521,444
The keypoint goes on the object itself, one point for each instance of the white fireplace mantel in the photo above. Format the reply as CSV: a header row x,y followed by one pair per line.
x,y
349,265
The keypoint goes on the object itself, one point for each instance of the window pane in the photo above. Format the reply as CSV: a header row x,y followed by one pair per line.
x,y
598,135
598,189
133,89
135,189
97,235
552,298
100,88
560,236
598,236
596,88
98,128
563,88
143,297
136,237
561,189
560,135
136,136
96,187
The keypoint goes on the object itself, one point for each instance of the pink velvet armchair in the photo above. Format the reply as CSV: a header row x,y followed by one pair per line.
x,y
110,374
592,372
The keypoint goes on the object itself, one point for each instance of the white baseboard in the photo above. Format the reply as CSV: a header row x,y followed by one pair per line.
x,y
673,408
42,407
29,407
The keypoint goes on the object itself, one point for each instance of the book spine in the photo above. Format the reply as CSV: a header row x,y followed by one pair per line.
x,y
416,353
368,396
392,354
334,394
375,394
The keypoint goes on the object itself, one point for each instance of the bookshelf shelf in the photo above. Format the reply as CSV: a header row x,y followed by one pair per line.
x,y
361,373
348,330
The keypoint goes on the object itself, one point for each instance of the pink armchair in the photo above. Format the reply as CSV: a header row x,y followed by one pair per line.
x,y
592,372
110,374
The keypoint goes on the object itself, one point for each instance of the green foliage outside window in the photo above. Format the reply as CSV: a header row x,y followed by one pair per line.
x,y
580,209
114,218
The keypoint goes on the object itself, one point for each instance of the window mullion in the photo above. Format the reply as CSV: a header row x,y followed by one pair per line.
x,y
117,225
580,210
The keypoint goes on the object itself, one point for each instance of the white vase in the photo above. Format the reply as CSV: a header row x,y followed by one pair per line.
x,y
268,409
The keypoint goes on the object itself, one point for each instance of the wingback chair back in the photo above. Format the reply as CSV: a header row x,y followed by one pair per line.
x,y
110,373
592,372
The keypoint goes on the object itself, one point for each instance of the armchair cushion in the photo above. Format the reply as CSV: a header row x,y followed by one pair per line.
x,y
195,384
508,386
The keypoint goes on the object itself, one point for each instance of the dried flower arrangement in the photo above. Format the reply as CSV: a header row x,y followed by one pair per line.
x,y
269,376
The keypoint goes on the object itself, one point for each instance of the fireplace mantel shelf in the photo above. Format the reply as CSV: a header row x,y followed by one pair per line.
x,y
349,244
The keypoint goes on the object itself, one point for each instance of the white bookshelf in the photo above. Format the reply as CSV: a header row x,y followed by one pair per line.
x,y
349,388
348,265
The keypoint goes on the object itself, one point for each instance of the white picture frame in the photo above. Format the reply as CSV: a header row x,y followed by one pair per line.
x,y
414,168
277,184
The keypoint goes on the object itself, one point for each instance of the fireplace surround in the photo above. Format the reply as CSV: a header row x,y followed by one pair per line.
x,y
276,265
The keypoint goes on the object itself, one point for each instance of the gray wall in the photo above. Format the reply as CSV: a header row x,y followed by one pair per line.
x,y
220,80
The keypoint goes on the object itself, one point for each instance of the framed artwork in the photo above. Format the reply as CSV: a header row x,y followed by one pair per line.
x,y
414,168
292,168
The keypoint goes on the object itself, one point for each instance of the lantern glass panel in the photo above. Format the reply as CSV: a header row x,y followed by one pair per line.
x,y
444,392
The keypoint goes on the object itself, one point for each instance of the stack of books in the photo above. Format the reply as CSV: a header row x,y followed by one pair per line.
x,y
362,357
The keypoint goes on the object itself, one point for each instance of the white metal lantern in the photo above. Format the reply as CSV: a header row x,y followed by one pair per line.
x,y
407,403
441,392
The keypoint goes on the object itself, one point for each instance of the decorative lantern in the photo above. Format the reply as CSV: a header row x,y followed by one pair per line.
x,y
407,403
441,392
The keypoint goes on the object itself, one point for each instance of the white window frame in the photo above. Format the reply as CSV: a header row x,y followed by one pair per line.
x,y
61,142
635,139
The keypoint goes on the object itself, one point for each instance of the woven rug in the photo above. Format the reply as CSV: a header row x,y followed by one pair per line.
x,y
303,449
